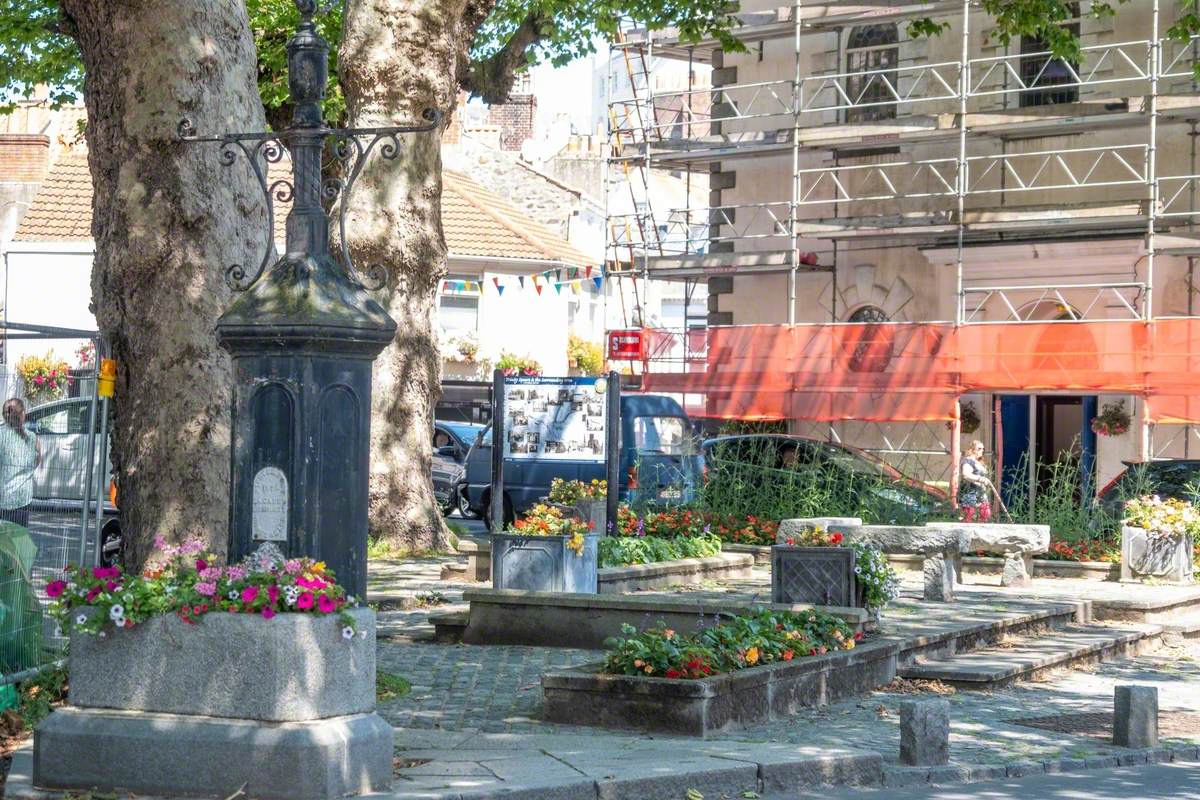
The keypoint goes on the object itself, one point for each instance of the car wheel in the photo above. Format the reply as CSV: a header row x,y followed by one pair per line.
x,y
464,504
110,544
508,513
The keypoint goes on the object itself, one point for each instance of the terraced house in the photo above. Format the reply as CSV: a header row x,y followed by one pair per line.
x,y
909,241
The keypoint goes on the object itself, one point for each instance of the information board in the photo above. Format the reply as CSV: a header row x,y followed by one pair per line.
x,y
555,418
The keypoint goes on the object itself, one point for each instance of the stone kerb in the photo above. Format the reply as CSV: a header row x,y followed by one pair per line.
x,y
1017,543
282,709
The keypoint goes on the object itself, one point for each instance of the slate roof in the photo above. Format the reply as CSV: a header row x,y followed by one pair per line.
x,y
477,222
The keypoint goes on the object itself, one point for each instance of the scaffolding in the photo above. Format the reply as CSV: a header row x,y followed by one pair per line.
x,y
935,153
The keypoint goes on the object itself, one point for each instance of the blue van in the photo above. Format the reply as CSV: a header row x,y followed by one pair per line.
x,y
661,462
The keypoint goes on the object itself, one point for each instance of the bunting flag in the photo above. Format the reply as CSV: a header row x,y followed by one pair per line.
x,y
589,272
575,287
558,288
497,282
558,275
597,280
521,280
539,287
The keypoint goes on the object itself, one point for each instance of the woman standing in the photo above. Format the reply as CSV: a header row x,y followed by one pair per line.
x,y
974,489
20,455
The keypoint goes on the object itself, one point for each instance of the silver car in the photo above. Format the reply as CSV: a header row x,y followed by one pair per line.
x,y
62,429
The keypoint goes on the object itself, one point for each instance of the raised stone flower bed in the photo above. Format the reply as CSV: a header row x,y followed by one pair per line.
x,y
280,708
544,563
1162,558
585,696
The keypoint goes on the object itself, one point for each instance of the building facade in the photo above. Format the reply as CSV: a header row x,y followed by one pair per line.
x,y
898,195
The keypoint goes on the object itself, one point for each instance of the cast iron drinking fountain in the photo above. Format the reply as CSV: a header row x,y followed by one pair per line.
x,y
304,332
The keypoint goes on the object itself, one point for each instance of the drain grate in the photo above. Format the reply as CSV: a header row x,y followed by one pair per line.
x,y
1098,724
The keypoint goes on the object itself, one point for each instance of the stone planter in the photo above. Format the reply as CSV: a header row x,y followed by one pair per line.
x,y
544,563
821,576
1165,559
585,696
283,708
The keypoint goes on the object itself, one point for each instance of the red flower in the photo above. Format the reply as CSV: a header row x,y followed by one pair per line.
x,y
836,538
674,673
858,635
787,655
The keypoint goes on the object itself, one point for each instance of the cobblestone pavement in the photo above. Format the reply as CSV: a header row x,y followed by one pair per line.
x,y
497,689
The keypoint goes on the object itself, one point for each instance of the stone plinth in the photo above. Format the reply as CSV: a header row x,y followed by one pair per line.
x,y
924,733
284,706
1135,716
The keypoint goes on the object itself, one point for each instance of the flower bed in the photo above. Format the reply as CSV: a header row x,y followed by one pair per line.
x,y
743,642
1098,549
549,520
620,551
680,522
185,581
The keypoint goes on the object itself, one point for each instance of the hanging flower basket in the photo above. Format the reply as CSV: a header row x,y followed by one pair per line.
x,y
969,419
1113,420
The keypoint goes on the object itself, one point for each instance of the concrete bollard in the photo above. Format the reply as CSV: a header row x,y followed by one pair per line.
x,y
924,733
1135,716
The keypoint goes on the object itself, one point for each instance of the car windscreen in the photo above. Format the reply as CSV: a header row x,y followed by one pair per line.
x,y
464,433
670,436
856,463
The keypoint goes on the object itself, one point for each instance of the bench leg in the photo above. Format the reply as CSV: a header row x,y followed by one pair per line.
x,y
938,569
1018,570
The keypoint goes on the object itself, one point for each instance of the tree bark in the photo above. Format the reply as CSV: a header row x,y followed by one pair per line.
x,y
167,221
397,58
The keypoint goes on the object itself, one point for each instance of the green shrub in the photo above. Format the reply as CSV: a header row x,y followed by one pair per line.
x,y
619,551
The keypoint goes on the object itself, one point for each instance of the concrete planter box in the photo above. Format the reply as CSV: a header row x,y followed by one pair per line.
x,y
585,696
584,621
817,575
283,706
1165,559
544,563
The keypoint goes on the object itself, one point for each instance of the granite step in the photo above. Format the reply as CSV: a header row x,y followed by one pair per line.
x,y
448,626
1186,625
1028,658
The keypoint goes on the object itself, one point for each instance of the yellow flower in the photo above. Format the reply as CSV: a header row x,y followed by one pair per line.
x,y
649,669
848,644
318,567
752,655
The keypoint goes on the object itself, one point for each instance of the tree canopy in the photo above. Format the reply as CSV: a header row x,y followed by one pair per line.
x,y
37,46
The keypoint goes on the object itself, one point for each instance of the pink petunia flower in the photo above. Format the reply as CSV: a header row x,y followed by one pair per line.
x,y
273,594
268,612
304,601
201,564
92,594
325,604
55,588
249,594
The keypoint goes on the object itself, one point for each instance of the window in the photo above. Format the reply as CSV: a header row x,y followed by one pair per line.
x,y
873,344
458,309
67,419
662,435
1041,71
872,49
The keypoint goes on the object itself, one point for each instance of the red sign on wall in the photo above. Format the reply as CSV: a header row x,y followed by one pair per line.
x,y
625,345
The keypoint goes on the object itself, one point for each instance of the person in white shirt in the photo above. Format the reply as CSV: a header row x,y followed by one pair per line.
x,y
974,488
20,455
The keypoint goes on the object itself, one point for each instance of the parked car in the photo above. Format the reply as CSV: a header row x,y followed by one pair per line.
x,y
62,429
860,470
451,442
660,462
1174,478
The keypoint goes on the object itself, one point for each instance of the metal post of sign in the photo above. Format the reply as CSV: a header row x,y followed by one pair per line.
x,y
612,450
100,486
497,496
89,468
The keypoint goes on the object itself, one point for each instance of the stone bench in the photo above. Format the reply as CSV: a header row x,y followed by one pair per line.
x,y
1017,543
939,549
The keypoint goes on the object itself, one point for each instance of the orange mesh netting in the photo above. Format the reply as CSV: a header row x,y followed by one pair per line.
x,y
899,372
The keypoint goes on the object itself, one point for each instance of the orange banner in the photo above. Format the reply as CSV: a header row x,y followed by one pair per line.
x,y
893,372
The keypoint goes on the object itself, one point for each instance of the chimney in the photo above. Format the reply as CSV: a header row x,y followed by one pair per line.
x,y
515,117
24,157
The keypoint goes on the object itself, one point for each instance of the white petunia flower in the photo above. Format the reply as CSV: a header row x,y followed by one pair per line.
x,y
233,595
116,612
81,619
347,632
362,634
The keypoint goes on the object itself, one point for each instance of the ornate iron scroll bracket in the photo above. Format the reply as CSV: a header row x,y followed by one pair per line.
x,y
350,146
